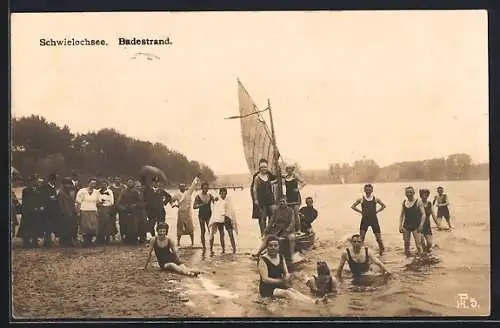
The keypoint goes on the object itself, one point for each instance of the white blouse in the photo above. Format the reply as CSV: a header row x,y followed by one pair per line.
x,y
87,202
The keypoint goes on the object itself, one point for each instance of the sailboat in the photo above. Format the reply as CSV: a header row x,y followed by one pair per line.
x,y
259,142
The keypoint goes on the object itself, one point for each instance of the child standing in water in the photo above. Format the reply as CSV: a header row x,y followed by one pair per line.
x,y
427,231
224,217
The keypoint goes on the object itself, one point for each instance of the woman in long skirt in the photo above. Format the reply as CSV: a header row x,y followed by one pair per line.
x,y
107,222
86,200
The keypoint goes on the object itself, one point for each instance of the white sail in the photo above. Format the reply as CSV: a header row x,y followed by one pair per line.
x,y
256,136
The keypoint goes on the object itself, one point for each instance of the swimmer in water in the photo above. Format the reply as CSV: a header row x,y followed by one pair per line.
x,y
427,231
274,275
358,261
166,255
442,202
322,284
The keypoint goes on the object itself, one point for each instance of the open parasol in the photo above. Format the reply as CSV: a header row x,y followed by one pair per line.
x,y
149,171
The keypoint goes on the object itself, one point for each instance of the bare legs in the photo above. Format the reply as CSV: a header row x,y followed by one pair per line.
x,y
203,227
292,294
181,269
378,237
231,239
217,227
417,236
426,243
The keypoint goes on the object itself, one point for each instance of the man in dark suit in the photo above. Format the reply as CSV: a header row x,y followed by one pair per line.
x,y
50,216
33,206
75,182
156,198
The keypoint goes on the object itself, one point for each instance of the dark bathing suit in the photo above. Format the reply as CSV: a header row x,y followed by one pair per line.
x,y
357,269
205,210
412,216
369,217
427,224
292,195
164,255
443,211
273,271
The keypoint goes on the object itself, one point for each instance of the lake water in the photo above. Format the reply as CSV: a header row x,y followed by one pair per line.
x,y
424,291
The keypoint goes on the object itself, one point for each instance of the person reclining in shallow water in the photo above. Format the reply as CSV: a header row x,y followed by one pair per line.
x,y
358,260
281,225
322,284
166,255
274,275
307,216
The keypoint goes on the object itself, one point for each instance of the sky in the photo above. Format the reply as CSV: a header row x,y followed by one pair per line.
x,y
387,85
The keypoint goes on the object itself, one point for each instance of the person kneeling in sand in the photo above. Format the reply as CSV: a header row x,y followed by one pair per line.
x,y
166,255
322,284
274,275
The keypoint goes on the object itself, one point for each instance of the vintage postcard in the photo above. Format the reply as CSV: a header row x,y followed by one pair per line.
x,y
250,164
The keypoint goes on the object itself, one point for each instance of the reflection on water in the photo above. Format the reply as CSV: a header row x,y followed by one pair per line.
x,y
416,289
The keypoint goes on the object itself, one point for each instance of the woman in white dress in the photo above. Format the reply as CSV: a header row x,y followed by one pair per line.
x,y
223,217
184,216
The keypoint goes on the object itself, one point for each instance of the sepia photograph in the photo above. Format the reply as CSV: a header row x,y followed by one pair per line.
x,y
300,164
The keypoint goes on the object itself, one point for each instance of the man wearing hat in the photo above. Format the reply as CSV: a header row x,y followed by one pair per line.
x,y
156,198
49,219
33,205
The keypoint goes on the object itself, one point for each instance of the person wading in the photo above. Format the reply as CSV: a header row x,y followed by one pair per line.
x,y
369,213
442,202
429,211
411,221
203,203
262,194
293,185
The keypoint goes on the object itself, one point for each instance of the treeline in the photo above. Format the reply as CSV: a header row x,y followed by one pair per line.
x,y
42,147
454,167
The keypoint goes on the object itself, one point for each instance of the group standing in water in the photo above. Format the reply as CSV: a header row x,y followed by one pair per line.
x,y
414,221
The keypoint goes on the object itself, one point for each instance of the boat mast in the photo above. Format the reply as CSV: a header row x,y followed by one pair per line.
x,y
275,152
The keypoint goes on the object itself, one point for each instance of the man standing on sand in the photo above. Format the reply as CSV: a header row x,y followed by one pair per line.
x,y
183,199
369,215
156,199
117,188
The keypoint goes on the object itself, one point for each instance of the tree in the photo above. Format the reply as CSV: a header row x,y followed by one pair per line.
x,y
458,166
43,147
